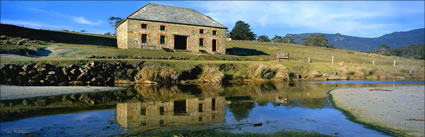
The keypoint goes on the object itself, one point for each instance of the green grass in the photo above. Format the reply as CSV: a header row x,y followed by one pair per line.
x,y
64,54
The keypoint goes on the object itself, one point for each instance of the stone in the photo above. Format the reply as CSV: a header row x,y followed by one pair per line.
x,y
51,72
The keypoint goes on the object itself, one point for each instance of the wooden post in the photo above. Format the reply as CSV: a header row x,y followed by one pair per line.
x,y
373,62
394,64
309,60
332,59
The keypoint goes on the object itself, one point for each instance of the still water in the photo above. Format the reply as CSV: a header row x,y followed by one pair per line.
x,y
239,108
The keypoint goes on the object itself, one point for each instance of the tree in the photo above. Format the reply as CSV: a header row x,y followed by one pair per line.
x,y
114,21
83,31
318,40
277,39
287,39
108,33
263,38
242,31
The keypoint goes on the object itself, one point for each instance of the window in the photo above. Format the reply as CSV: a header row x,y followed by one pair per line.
x,y
213,104
144,26
201,42
144,38
162,27
161,122
161,110
162,39
201,31
214,32
143,111
200,107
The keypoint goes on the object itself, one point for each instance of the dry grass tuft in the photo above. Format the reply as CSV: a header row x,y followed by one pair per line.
x,y
210,74
157,73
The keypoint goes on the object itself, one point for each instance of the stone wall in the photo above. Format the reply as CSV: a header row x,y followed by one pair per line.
x,y
122,40
153,32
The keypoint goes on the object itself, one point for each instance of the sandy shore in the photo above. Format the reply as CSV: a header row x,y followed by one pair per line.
x,y
399,109
16,92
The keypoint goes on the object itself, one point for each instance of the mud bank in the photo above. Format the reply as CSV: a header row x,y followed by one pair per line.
x,y
397,110
100,73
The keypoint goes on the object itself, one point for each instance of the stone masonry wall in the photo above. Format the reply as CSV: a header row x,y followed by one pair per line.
x,y
122,40
153,32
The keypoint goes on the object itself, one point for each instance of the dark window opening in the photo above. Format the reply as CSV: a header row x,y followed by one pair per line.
x,y
162,27
143,111
162,39
180,42
161,122
143,123
214,32
213,104
214,45
179,106
161,110
201,109
144,38
201,118
201,31
201,42
144,26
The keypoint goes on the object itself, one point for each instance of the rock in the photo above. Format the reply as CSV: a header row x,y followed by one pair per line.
x,y
150,82
3,37
22,73
51,72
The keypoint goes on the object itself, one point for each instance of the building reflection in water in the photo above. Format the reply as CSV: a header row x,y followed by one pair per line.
x,y
158,114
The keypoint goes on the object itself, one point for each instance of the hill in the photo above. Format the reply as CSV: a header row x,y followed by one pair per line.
x,y
57,36
257,58
393,40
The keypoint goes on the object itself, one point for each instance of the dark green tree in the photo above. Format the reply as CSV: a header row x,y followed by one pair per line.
x,y
242,31
114,21
277,39
263,38
287,39
318,40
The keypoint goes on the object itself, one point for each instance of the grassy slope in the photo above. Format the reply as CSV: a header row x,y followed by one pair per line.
x,y
321,57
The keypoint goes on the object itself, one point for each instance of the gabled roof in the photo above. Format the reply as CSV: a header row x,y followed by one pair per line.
x,y
171,14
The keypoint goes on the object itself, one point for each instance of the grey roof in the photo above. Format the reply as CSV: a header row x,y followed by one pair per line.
x,y
170,14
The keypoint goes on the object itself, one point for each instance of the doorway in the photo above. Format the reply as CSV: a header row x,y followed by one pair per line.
x,y
179,106
214,45
180,42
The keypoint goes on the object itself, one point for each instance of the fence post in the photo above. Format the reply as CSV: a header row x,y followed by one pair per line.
x,y
394,64
309,60
373,62
332,59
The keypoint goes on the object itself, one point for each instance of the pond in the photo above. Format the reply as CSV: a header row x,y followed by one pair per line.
x,y
264,108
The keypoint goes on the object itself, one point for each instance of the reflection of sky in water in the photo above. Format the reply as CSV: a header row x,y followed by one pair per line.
x,y
94,123
277,118
366,82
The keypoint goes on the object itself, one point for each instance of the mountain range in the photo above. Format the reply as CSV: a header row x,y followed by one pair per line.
x,y
393,40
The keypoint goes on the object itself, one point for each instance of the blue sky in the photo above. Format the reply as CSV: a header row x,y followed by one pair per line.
x,y
357,18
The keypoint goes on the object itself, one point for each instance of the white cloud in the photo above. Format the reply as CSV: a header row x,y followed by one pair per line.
x,y
347,17
77,19
32,24
83,20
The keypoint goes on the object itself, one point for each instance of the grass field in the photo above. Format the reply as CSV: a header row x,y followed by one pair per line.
x,y
63,53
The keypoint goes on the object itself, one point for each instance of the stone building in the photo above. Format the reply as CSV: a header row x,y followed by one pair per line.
x,y
159,27
143,116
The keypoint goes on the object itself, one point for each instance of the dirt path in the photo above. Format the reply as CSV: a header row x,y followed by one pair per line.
x,y
399,109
